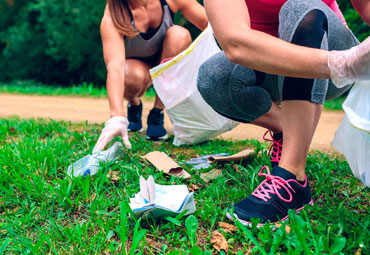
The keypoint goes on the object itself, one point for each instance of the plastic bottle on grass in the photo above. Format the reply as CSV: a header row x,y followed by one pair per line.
x,y
90,164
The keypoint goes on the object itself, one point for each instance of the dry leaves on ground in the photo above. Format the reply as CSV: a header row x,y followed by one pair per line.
x,y
193,188
113,175
287,228
211,175
219,242
228,228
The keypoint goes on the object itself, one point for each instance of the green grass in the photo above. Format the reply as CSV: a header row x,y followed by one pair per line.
x,y
83,90
89,90
43,212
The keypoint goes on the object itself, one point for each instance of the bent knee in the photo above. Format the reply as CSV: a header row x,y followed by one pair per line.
x,y
178,34
136,80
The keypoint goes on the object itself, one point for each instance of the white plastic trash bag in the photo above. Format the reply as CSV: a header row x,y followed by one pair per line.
x,y
175,82
352,138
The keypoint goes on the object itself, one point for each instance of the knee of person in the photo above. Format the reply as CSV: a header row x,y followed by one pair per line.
x,y
178,34
205,75
313,19
134,80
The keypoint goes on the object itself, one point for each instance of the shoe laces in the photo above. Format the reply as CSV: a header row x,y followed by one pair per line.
x,y
275,148
271,186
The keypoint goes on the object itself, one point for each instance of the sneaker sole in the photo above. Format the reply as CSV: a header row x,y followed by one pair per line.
x,y
140,130
165,137
249,224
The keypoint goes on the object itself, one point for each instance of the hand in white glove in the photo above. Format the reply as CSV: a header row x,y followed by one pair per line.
x,y
351,65
116,126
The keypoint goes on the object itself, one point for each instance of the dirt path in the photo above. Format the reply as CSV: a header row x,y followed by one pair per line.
x,y
97,111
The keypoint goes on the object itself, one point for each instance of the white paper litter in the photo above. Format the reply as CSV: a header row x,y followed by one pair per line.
x,y
161,200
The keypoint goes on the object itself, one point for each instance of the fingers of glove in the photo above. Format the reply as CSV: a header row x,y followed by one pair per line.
x,y
126,141
103,140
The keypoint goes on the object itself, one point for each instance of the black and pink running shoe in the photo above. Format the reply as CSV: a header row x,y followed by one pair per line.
x,y
275,148
273,198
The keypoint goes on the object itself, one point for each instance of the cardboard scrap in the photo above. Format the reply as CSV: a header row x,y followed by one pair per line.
x,y
245,155
164,163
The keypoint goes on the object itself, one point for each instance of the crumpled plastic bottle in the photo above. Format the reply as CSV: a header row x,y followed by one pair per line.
x,y
90,164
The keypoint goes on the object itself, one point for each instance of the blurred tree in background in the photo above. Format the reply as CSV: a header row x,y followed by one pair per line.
x,y
58,41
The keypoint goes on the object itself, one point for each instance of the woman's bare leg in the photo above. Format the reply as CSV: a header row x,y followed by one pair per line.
x,y
137,80
270,120
298,128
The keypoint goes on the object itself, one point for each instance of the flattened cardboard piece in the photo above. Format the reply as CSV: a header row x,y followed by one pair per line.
x,y
245,155
164,163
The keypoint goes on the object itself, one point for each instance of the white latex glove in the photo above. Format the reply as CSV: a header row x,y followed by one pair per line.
x,y
351,65
115,126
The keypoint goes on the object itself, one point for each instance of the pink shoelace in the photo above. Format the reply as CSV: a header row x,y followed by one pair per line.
x,y
271,185
275,148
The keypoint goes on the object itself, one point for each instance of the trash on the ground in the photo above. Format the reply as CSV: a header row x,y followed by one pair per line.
x,y
162,200
245,156
90,164
204,159
211,175
164,163
202,162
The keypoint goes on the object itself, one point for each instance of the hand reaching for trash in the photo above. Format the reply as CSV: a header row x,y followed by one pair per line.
x,y
115,126
351,65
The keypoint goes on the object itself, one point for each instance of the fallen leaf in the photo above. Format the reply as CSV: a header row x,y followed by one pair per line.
x,y
211,175
194,188
153,243
237,169
93,197
219,242
12,130
287,228
113,175
226,227
358,251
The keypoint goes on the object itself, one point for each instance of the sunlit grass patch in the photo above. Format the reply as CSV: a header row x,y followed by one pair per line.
x,y
42,211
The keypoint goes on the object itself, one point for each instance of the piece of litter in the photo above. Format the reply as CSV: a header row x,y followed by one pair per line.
x,y
161,200
164,163
211,175
202,166
202,162
90,164
204,159
245,155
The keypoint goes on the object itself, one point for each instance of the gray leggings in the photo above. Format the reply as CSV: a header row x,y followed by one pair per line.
x,y
243,94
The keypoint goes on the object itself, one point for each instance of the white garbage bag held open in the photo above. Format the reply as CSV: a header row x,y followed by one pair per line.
x,y
352,138
175,82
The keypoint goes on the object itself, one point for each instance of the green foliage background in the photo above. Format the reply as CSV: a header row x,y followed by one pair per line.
x,y
58,41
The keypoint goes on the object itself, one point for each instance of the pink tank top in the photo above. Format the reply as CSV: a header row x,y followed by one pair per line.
x,y
264,14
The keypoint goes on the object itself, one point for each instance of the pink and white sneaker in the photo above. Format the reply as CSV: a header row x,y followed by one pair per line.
x,y
273,198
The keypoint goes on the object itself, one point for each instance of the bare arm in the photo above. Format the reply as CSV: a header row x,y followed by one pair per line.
x,y
258,50
363,8
114,57
192,11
